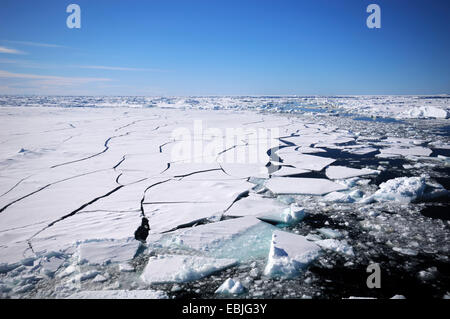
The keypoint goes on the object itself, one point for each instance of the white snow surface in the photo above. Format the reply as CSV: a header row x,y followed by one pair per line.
x,y
182,268
305,186
75,183
342,172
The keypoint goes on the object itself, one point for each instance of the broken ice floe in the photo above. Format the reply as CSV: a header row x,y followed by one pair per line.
x,y
302,186
342,172
289,254
407,151
266,209
182,268
242,239
305,161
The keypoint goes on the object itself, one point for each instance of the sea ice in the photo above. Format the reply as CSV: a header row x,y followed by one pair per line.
x,y
100,252
266,209
397,151
182,268
289,254
288,170
119,294
339,246
302,186
307,162
425,112
238,238
406,190
342,172
329,233
230,287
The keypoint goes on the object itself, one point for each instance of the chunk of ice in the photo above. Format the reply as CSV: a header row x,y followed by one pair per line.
x,y
230,287
289,254
406,190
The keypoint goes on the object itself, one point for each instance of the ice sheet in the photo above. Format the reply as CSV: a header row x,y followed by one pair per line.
x,y
304,186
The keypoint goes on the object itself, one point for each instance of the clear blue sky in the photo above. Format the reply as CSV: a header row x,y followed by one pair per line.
x,y
224,47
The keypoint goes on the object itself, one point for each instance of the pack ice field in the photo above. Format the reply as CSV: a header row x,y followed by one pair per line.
x,y
93,203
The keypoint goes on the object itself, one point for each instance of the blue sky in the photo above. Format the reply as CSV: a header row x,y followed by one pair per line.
x,y
216,47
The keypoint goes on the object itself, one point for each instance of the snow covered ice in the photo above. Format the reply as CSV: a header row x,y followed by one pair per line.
x,y
289,254
364,180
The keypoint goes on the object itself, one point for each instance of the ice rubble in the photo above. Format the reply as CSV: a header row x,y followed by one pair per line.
x,y
182,268
425,112
339,246
406,190
230,287
304,186
289,254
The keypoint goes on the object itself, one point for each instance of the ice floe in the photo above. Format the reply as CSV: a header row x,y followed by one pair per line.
x,y
266,209
342,172
304,186
289,254
307,162
397,151
238,238
180,268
